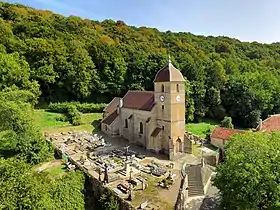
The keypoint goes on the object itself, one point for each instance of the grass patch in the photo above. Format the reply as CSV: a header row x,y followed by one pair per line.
x,y
202,128
48,122
150,194
48,119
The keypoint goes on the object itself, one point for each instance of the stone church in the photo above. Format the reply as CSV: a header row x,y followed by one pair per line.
x,y
152,119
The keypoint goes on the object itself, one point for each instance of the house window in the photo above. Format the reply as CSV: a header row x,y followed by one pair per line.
x,y
162,88
162,107
126,123
106,128
141,127
177,88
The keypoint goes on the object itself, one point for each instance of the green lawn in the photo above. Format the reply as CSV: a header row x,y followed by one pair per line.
x,y
48,119
201,128
47,122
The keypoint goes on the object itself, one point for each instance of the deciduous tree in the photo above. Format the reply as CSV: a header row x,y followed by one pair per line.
x,y
249,179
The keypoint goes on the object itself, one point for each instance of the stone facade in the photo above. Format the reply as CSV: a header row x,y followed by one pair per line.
x,y
154,120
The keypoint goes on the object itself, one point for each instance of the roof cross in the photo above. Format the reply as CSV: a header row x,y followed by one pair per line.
x,y
168,50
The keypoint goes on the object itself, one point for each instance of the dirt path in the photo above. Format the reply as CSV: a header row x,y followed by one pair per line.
x,y
171,194
49,165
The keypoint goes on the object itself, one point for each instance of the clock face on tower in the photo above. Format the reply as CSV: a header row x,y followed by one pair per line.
x,y
161,98
178,98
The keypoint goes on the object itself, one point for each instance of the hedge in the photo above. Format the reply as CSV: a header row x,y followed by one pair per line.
x,y
81,107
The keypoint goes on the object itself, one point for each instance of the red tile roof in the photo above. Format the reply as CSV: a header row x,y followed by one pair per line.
x,y
110,118
142,100
271,124
112,105
169,74
224,133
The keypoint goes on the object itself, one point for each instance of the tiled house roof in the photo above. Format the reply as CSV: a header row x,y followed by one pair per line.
x,y
110,118
112,105
224,133
272,123
142,100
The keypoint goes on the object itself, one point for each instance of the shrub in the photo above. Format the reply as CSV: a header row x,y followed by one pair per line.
x,y
62,118
90,107
227,123
81,107
73,115
60,107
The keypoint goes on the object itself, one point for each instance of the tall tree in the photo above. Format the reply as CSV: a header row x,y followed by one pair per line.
x,y
249,179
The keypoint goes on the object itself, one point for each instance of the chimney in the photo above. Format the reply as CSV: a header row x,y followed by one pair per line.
x,y
120,105
120,102
259,128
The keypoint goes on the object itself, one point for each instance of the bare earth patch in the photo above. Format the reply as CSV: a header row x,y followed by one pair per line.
x,y
49,165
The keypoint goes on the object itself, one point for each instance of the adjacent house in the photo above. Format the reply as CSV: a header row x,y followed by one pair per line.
x,y
220,135
272,123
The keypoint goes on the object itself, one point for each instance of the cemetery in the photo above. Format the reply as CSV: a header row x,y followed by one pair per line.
x,y
125,171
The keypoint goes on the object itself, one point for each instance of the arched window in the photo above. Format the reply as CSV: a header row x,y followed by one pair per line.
x,y
162,107
162,88
177,88
126,123
141,127
163,128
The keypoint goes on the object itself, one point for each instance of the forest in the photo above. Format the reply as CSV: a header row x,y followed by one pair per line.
x,y
47,58
61,58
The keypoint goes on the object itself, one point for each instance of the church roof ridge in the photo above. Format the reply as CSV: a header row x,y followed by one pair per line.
x,y
145,91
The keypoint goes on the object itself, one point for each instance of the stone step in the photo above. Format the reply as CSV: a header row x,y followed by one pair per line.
x,y
196,192
195,186
191,194
195,189
195,183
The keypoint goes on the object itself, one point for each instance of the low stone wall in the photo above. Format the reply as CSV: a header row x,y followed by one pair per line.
x,y
212,159
194,138
98,189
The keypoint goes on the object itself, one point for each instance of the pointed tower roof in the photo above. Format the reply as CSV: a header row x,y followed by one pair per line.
x,y
169,74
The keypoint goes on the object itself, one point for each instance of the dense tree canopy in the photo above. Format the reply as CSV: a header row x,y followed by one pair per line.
x,y
249,179
23,188
61,58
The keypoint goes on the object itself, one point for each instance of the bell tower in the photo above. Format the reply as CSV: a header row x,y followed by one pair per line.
x,y
169,90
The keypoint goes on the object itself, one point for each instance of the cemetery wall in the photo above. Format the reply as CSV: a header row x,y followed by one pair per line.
x,y
209,159
98,189
194,137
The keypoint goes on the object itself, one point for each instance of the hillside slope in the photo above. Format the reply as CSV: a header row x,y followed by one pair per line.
x,y
75,59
